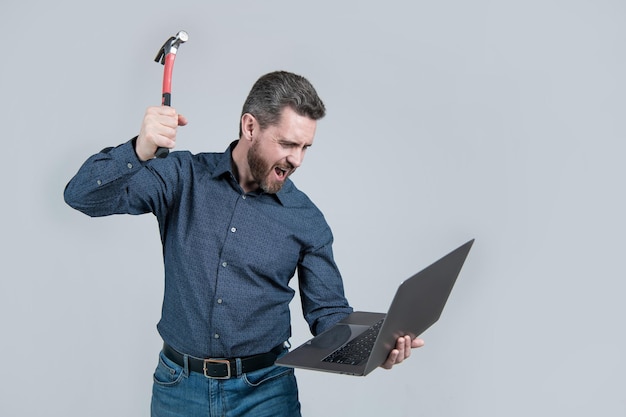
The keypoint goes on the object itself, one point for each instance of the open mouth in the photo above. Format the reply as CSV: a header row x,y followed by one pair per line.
x,y
281,173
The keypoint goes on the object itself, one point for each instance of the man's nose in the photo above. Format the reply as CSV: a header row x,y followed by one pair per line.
x,y
295,158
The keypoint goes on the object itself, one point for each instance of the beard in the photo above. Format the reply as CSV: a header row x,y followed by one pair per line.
x,y
262,171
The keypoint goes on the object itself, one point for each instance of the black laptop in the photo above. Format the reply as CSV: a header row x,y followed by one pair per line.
x,y
362,341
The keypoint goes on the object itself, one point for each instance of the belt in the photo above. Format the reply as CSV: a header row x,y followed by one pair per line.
x,y
223,368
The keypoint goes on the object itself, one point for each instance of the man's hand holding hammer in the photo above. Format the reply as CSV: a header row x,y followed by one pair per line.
x,y
158,129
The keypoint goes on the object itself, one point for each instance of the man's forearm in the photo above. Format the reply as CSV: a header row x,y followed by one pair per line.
x,y
100,186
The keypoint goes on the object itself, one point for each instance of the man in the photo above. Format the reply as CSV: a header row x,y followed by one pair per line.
x,y
234,230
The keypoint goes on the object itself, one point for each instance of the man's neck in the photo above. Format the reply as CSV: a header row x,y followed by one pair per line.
x,y
241,170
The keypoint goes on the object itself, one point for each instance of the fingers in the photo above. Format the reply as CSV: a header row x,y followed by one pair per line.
x,y
404,348
402,351
391,359
158,129
398,354
417,343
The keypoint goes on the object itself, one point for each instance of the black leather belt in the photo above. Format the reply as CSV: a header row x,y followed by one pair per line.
x,y
223,368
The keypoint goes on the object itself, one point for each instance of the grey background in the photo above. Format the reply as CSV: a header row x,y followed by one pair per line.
x,y
449,120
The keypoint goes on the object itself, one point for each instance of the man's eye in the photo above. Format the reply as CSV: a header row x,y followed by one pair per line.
x,y
288,145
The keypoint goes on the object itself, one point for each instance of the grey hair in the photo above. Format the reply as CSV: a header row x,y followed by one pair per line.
x,y
274,91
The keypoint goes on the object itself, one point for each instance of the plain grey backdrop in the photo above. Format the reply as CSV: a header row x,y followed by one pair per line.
x,y
447,120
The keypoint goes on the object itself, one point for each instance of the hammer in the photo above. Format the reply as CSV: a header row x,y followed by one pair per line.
x,y
167,55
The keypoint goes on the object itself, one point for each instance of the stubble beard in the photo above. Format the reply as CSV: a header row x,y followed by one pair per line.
x,y
261,171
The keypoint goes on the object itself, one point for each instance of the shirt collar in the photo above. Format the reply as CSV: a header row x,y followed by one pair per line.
x,y
224,165
286,194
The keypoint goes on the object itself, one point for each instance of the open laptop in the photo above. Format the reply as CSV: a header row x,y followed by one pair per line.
x,y
362,341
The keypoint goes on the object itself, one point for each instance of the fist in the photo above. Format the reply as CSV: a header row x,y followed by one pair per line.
x,y
158,129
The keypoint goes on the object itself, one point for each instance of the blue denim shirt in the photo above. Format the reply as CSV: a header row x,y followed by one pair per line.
x,y
228,256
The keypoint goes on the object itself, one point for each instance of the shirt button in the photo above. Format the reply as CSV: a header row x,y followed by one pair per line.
x,y
216,336
233,229
99,182
129,165
219,301
224,264
243,196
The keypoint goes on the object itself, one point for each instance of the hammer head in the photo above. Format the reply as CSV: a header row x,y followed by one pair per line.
x,y
171,46
181,37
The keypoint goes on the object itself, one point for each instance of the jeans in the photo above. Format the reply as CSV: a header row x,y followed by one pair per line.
x,y
179,392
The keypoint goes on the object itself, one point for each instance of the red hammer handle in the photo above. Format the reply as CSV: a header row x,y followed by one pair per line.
x,y
167,79
167,94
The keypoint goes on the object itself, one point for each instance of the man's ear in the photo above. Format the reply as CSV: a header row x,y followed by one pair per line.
x,y
249,126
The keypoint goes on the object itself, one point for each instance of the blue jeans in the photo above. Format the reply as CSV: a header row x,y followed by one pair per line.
x,y
179,392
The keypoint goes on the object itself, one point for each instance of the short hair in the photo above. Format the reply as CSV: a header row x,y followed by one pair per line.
x,y
274,91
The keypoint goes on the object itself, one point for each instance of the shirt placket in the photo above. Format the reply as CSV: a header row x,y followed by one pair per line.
x,y
228,260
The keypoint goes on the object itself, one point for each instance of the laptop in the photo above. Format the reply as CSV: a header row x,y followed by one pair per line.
x,y
362,341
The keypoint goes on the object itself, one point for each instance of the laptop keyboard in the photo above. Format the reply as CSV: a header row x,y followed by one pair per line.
x,y
358,349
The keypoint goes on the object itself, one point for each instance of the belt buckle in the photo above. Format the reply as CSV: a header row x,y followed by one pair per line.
x,y
224,361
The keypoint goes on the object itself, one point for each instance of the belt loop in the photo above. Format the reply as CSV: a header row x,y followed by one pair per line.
x,y
238,366
186,365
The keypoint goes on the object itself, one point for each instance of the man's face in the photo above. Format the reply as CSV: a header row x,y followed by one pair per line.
x,y
277,151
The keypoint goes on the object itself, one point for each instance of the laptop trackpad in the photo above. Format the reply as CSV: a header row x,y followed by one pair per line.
x,y
337,336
